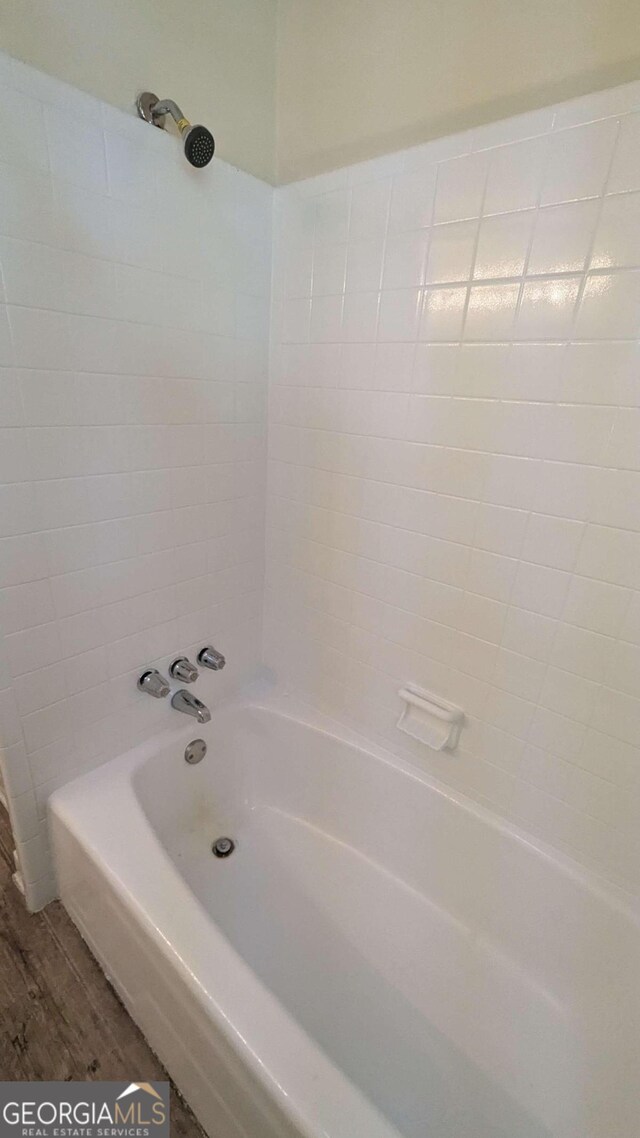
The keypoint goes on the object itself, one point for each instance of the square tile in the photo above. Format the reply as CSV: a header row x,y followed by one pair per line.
x,y
364,267
451,251
332,218
443,314
329,265
369,209
404,260
399,312
460,188
617,241
491,311
610,307
552,541
547,309
412,199
504,244
515,175
563,237
578,162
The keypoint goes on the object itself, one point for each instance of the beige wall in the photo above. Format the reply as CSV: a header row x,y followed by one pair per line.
x,y
355,78
216,58
358,78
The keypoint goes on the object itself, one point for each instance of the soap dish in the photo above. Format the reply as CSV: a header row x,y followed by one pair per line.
x,y
430,719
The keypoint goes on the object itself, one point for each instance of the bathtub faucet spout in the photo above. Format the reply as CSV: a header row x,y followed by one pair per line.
x,y
190,705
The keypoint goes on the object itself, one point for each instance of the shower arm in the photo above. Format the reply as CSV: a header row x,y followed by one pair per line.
x,y
168,107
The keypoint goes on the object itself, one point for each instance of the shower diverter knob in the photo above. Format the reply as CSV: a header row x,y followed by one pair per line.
x,y
182,669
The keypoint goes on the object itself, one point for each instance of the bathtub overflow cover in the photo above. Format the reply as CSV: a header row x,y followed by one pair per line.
x,y
223,847
195,751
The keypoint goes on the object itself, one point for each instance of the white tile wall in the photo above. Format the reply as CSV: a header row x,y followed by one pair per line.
x,y
454,436
454,483
133,358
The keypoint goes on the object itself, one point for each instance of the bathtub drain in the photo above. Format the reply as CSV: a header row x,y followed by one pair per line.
x,y
223,847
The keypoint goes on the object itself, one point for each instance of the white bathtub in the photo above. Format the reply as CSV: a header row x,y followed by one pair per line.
x,y
376,958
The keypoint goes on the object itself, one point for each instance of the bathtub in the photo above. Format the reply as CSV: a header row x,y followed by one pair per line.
x,y
377,958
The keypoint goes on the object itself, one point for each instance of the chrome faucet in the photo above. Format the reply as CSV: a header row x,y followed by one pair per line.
x,y
190,704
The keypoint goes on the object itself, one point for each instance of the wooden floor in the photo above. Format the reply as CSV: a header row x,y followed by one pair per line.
x,y
59,1016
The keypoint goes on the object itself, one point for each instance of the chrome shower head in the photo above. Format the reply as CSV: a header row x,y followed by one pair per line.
x,y
199,144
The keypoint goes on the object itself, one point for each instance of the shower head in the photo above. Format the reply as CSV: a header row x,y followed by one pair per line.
x,y
199,144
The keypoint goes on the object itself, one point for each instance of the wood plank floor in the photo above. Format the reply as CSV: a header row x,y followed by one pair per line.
x,y
59,1016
